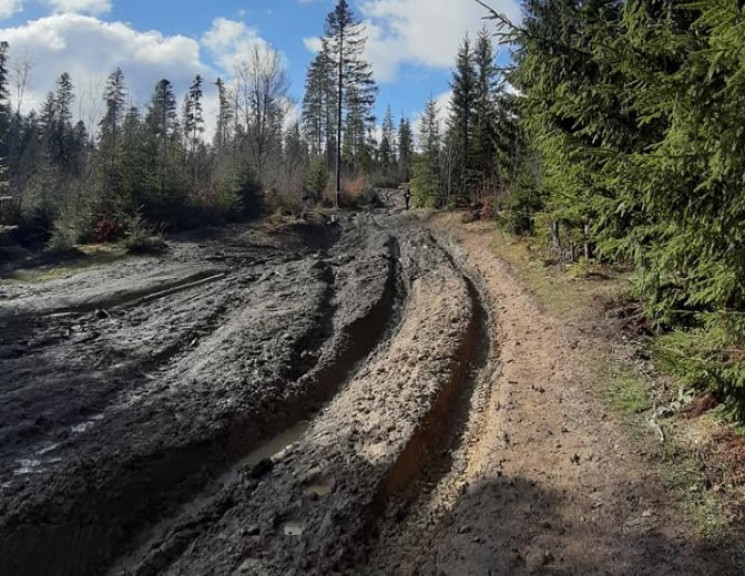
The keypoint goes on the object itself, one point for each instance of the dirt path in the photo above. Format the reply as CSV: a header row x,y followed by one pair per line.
x,y
368,397
547,481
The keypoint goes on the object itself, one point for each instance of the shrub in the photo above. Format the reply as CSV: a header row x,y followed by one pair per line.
x,y
142,239
318,177
354,192
107,229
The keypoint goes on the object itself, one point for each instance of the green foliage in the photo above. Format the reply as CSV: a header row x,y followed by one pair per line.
x,y
142,239
635,111
425,181
318,177
710,357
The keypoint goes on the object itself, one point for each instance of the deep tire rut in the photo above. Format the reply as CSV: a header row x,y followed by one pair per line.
x,y
428,476
321,380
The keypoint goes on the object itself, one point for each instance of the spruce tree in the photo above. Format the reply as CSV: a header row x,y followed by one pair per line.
x,y
463,104
193,125
319,115
225,117
109,138
355,87
387,143
62,134
426,182
163,129
486,112
405,140
5,119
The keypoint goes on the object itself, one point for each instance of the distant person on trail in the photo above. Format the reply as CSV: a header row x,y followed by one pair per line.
x,y
407,196
305,199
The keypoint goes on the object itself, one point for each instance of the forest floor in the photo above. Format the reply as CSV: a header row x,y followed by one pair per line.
x,y
382,394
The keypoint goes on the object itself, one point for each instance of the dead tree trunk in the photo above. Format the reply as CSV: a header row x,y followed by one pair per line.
x,y
556,237
586,235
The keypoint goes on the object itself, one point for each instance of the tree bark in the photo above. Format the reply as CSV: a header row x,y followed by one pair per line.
x,y
556,237
339,94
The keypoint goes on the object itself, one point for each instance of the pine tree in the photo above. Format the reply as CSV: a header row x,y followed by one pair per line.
x,y
463,104
405,150
426,182
355,88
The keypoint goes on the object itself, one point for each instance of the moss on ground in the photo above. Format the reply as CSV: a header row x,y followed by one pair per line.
x,y
86,257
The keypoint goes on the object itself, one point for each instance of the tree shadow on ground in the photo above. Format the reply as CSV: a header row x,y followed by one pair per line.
x,y
512,526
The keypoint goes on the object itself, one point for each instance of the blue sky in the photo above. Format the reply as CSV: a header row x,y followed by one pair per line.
x,y
411,45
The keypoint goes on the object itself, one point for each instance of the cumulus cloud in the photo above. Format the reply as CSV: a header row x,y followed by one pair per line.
x,y
90,49
230,40
442,101
9,7
313,44
422,33
94,7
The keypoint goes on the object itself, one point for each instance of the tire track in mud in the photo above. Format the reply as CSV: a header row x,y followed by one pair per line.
x,y
120,377
313,507
73,547
428,476
167,540
80,544
432,380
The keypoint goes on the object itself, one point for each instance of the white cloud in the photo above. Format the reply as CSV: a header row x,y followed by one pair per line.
x,y
422,33
90,49
230,40
442,102
313,44
9,7
95,7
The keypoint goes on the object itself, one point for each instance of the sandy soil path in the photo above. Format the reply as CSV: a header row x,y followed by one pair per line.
x,y
548,482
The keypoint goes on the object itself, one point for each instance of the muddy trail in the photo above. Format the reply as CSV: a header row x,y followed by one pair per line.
x,y
310,400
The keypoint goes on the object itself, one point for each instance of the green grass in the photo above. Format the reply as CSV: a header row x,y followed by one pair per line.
x,y
626,393
571,293
90,257
560,290
681,473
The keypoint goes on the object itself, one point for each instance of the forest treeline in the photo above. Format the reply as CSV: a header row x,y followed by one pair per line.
x,y
65,182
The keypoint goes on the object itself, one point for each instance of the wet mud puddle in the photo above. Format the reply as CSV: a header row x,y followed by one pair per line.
x,y
255,464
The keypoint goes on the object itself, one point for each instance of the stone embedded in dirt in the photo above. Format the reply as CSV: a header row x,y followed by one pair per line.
x,y
262,468
253,530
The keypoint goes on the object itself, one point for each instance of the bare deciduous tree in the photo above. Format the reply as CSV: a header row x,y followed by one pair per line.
x,y
262,87
21,71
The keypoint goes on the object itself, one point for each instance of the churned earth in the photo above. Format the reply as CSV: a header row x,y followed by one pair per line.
x,y
372,395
